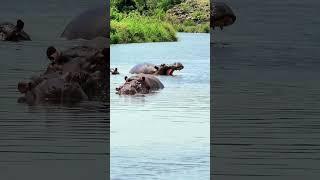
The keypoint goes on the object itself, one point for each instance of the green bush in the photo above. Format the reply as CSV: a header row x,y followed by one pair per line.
x,y
135,28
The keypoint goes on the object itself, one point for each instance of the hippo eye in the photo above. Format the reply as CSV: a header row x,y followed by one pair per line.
x,y
51,58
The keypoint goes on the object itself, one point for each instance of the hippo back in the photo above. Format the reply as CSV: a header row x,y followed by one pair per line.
x,y
153,82
23,36
80,51
88,25
144,68
98,43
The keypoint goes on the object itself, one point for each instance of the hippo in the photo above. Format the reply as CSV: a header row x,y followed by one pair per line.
x,y
80,57
11,32
139,84
114,71
88,25
222,15
98,43
163,69
56,90
74,75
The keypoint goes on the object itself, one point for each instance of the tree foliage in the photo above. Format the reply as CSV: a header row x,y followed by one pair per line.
x,y
143,5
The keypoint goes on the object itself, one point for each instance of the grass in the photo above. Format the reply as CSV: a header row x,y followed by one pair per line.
x,y
200,28
135,28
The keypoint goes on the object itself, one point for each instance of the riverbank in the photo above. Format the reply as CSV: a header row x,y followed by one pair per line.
x,y
132,22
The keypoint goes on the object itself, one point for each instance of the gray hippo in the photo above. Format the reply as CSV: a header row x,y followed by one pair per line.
x,y
221,15
11,32
74,75
139,84
163,69
77,58
57,89
90,64
88,25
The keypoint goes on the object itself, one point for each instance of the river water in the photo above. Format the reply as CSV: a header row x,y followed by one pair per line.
x,y
46,141
266,92
164,135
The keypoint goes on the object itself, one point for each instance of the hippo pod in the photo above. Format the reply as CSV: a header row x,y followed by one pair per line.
x,y
11,32
139,84
221,15
163,69
76,74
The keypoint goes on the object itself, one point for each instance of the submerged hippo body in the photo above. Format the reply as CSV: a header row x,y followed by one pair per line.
x,y
11,32
98,43
163,69
54,90
222,15
140,84
88,25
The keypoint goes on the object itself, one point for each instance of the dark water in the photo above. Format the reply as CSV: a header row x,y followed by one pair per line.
x,y
266,92
46,141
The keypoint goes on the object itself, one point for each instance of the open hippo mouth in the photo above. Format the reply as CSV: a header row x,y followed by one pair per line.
x,y
176,66
170,72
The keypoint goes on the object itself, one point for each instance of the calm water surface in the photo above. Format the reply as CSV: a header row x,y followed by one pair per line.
x,y
54,141
266,92
164,135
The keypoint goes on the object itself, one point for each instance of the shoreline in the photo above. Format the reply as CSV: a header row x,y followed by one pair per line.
x,y
161,41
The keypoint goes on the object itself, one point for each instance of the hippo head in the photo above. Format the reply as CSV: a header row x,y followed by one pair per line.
x,y
164,69
177,66
24,86
133,85
222,15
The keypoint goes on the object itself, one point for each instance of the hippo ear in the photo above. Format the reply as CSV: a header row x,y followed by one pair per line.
x,y
125,78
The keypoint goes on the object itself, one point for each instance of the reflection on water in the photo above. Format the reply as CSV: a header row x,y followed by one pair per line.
x,y
164,135
266,92
46,141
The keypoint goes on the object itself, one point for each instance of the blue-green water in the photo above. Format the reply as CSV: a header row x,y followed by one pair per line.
x,y
164,135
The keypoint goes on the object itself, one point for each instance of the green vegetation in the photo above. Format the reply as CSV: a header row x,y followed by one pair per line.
x,y
156,20
190,16
135,28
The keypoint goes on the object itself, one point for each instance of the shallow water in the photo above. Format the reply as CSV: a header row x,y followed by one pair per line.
x,y
266,92
46,141
164,135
